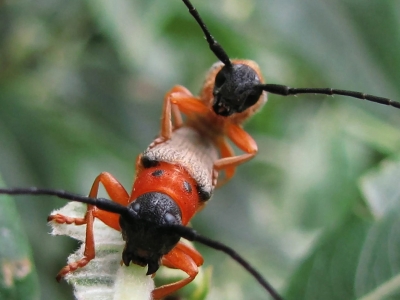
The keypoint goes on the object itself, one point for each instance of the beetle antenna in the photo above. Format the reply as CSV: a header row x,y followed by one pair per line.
x,y
185,232
284,90
101,203
214,45
191,235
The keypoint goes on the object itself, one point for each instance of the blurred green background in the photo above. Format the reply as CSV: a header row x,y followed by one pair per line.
x,y
81,89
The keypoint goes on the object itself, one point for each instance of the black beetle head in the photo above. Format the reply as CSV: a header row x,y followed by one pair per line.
x,y
235,89
146,240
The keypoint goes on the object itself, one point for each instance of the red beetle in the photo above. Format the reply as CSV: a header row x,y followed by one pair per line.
x,y
178,172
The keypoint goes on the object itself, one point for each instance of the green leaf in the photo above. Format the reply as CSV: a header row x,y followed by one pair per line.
x,y
330,270
360,259
378,273
380,188
18,278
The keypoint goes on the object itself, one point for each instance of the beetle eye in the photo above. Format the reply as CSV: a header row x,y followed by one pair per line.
x,y
170,219
251,100
220,79
136,207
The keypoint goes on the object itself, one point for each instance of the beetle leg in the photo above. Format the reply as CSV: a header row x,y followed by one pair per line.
x,y
188,104
184,258
226,151
117,193
229,161
193,253
171,111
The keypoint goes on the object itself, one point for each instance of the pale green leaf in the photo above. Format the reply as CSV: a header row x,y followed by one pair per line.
x,y
103,278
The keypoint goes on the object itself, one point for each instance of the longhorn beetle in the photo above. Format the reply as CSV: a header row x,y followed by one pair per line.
x,y
227,107
175,177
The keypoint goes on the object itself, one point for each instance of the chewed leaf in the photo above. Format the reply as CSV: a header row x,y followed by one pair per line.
x,y
103,278
18,277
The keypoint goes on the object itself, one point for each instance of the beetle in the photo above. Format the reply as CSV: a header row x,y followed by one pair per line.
x,y
175,177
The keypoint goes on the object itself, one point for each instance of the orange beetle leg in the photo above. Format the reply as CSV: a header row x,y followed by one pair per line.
x,y
232,162
242,140
188,104
193,253
176,114
170,110
184,258
117,193
89,240
226,151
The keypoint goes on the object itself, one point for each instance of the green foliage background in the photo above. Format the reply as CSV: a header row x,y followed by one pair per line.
x,y
81,87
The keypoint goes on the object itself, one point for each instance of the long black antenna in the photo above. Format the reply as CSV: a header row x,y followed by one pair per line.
x,y
214,46
191,235
101,203
185,232
284,90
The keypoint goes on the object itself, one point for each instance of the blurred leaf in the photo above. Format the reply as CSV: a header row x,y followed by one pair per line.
x,y
369,128
18,278
381,188
360,259
378,272
330,270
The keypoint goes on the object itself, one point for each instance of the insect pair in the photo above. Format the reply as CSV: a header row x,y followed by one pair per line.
x,y
224,108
